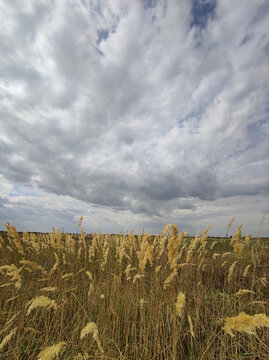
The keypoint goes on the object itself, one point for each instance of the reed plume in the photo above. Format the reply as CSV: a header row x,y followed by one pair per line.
x,y
180,303
14,273
231,270
245,323
33,265
229,225
245,273
92,328
51,351
41,301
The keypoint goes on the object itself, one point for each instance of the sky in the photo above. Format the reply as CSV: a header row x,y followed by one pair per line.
x,y
134,114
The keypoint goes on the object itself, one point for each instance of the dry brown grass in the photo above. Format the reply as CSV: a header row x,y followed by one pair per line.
x,y
127,297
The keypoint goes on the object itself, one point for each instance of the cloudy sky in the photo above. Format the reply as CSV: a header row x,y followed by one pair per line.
x,y
134,114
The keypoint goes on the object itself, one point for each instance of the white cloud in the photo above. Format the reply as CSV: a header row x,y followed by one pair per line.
x,y
136,111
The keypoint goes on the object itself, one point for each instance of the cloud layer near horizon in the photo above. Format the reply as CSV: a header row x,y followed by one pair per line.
x,y
134,113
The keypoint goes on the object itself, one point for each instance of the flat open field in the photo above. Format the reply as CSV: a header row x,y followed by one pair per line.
x,y
128,297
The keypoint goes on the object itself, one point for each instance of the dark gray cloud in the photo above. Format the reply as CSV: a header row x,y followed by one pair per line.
x,y
137,112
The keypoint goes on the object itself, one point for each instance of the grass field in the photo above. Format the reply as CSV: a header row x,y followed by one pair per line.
x,y
127,297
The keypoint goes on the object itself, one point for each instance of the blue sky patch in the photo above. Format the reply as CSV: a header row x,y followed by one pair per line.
x,y
202,10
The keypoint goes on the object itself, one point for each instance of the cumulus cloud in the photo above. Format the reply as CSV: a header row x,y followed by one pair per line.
x,y
135,113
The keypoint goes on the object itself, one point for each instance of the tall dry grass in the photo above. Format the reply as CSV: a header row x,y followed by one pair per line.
x,y
101,296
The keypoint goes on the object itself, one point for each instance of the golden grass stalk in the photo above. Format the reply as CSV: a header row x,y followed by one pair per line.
x,y
194,242
258,302
204,236
49,288
189,255
8,337
169,278
128,270
105,256
243,292
141,304
182,265
51,351
33,265
245,273
67,276
149,250
41,301
34,243
80,271
14,273
166,230
80,221
238,250
229,225
14,237
137,276
145,254
213,244
9,323
56,264
245,323
64,259
182,250
237,236
191,326
12,298
172,247
70,242
180,303
12,318
92,328
6,285
263,280
231,270
247,239
90,290
261,225
227,253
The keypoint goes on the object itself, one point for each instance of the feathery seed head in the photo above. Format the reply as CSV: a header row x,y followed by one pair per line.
x,y
180,303
245,323
41,301
92,328
51,351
